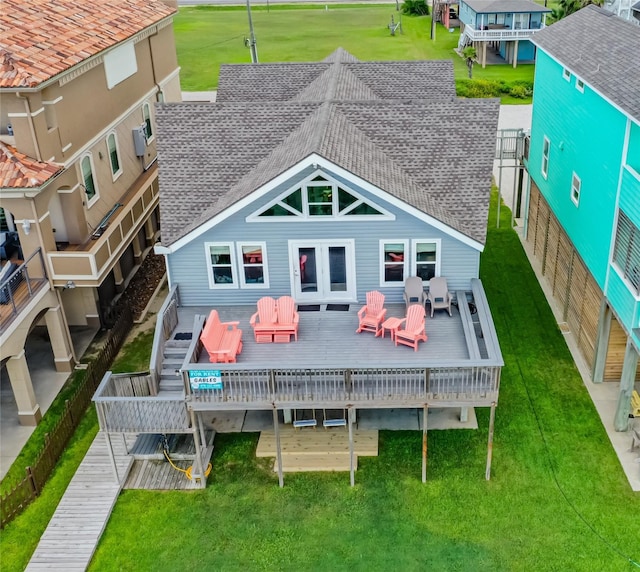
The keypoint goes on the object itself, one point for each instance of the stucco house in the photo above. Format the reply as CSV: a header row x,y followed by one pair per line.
x,y
321,181
78,172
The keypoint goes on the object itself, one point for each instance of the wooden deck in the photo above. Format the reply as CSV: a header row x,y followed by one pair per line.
x,y
73,533
20,298
317,450
329,338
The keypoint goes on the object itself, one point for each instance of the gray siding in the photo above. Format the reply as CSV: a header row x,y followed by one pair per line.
x,y
188,270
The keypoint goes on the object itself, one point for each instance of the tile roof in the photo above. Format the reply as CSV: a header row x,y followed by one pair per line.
x,y
339,77
434,155
41,38
600,48
18,171
499,6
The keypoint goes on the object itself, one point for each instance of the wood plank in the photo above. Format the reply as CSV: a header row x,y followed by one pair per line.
x,y
309,442
316,463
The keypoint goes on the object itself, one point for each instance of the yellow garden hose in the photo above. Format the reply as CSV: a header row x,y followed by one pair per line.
x,y
188,472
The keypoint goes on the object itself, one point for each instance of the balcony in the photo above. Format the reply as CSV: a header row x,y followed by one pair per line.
x,y
20,285
87,264
496,33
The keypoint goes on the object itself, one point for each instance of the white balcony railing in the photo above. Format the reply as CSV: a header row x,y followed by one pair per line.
x,y
498,34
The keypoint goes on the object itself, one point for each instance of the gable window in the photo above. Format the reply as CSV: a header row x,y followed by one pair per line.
x,y
221,263
114,159
576,183
90,189
394,257
566,74
546,147
148,127
579,85
626,252
425,260
253,265
317,198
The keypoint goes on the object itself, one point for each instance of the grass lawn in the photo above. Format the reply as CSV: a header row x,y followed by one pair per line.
x,y
557,499
207,37
20,538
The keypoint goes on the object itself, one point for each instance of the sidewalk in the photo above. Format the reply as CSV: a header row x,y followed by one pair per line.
x,y
47,383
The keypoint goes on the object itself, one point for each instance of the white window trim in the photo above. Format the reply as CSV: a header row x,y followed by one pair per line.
x,y
566,74
405,274
241,265
255,216
146,105
575,200
118,173
89,201
544,172
414,253
579,84
234,267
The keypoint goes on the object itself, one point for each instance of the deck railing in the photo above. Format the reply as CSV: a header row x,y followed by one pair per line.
x,y
165,324
125,405
18,289
501,34
245,388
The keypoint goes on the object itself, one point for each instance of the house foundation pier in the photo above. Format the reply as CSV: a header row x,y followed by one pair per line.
x,y
28,409
60,342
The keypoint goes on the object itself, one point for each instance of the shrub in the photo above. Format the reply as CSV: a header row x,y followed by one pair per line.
x,y
519,92
415,8
478,88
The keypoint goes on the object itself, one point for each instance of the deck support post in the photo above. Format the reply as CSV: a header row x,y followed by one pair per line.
x,y
196,442
627,379
351,417
515,54
203,436
425,411
276,430
602,342
112,457
492,419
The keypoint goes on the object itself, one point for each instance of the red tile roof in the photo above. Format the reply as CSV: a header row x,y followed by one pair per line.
x,y
41,38
18,171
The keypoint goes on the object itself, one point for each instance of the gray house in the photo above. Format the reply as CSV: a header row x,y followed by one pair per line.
x,y
323,181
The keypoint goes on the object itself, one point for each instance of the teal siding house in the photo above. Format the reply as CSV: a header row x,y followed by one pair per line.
x,y
583,216
504,27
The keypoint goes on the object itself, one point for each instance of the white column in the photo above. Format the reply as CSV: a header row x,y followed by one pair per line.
x,y
28,409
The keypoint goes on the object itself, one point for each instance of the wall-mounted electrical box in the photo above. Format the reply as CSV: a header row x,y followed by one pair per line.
x,y
139,140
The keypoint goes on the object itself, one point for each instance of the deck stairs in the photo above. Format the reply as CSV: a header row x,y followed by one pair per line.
x,y
463,41
173,357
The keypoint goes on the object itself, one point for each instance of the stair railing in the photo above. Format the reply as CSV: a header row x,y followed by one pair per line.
x,y
165,325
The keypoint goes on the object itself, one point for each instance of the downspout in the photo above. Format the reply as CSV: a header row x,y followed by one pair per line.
x,y
31,127
160,94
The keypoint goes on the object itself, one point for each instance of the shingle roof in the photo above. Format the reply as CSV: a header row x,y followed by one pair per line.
x,y
339,77
498,6
434,155
41,38
599,48
18,171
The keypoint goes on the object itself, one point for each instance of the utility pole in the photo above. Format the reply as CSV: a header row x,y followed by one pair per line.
x,y
252,37
433,20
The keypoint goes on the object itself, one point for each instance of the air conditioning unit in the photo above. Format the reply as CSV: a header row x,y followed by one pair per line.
x,y
140,140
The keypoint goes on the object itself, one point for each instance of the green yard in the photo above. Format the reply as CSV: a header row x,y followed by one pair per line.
x,y
207,37
557,500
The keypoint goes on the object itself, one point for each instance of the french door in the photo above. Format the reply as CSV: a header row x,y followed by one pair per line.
x,y
322,270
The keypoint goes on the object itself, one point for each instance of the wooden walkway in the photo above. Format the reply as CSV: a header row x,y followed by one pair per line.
x,y
73,533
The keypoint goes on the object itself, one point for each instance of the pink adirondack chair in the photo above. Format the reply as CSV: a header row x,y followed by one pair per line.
x,y
264,320
372,315
411,329
288,320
